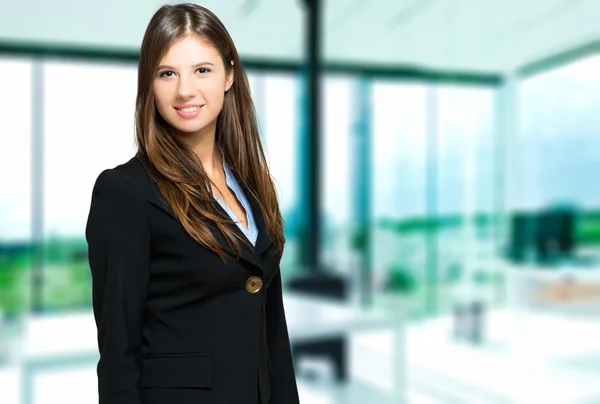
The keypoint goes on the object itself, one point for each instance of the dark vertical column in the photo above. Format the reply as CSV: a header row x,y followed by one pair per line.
x,y
310,165
37,184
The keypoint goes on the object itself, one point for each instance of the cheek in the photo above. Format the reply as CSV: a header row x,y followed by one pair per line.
x,y
214,89
161,98
217,94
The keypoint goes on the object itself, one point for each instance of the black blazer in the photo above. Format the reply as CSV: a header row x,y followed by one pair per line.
x,y
175,324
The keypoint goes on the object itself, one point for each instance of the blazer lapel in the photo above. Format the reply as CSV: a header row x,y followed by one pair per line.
x,y
247,252
264,238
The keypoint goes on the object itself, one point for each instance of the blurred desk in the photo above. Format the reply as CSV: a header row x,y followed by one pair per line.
x,y
70,340
311,317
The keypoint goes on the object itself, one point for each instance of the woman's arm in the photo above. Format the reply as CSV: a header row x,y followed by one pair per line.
x,y
283,379
119,255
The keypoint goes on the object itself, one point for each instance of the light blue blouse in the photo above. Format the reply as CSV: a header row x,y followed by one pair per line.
x,y
252,231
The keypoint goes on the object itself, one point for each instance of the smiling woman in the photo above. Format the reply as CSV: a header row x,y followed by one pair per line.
x,y
185,239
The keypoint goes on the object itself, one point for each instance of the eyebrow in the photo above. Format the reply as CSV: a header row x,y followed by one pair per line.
x,y
193,67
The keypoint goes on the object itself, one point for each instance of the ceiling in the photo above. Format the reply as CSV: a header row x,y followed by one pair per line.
x,y
478,36
495,36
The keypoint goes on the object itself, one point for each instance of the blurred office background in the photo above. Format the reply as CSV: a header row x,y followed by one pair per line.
x,y
456,180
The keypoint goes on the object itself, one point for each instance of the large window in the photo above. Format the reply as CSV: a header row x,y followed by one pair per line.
x,y
465,226
399,174
336,197
88,127
276,99
433,192
420,141
15,184
558,145
559,115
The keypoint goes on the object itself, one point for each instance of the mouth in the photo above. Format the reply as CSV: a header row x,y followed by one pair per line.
x,y
188,108
188,111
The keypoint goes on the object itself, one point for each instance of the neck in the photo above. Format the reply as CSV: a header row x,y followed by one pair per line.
x,y
209,155
203,144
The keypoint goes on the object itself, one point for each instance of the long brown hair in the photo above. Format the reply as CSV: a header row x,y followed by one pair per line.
x,y
177,169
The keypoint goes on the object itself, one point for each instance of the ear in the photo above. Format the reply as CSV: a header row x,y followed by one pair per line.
x,y
229,81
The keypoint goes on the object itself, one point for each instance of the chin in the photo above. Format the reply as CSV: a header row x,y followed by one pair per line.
x,y
190,128
188,132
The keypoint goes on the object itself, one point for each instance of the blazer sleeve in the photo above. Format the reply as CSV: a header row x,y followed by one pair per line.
x,y
283,378
118,240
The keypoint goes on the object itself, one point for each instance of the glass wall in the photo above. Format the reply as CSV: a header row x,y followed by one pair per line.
x,y
277,104
559,115
431,176
433,194
336,184
15,184
399,193
88,126
465,180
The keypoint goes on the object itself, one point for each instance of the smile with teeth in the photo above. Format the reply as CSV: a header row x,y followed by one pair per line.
x,y
188,109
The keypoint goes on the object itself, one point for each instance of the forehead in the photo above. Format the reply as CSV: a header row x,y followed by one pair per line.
x,y
189,51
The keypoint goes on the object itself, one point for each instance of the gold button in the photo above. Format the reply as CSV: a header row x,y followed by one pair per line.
x,y
253,284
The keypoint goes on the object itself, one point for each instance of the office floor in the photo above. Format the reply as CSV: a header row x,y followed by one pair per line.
x,y
527,359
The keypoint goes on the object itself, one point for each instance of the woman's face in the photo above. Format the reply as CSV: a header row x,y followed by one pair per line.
x,y
189,86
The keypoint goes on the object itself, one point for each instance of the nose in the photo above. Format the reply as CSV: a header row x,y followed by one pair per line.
x,y
185,88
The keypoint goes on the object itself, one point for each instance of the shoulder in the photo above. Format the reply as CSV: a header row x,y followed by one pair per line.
x,y
118,203
128,180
